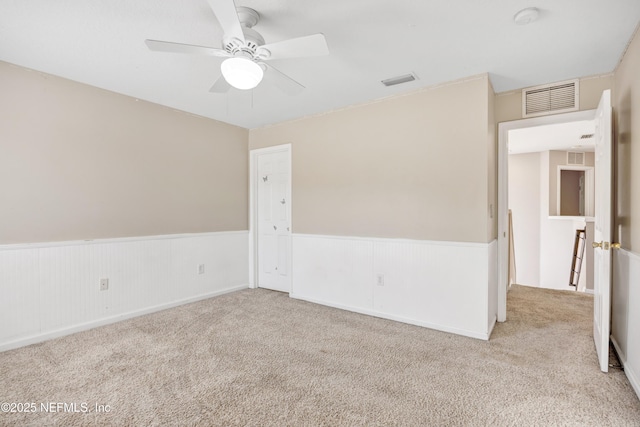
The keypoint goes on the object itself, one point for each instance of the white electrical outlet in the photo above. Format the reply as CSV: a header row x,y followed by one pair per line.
x,y
380,279
201,269
104,284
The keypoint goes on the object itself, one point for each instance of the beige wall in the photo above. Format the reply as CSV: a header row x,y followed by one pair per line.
x,y
626,105
82,163
413,166
509,104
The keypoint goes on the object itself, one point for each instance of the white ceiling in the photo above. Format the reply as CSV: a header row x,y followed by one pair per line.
x,y
101,43
560,136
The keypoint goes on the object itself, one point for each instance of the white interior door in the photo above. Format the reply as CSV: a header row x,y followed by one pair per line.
x,y
273,221
602,232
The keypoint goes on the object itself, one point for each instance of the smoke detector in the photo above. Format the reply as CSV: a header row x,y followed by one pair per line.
x,y
526,16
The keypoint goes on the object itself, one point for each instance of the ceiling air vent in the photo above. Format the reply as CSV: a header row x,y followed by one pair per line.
x,y
550,99
575,158
400,79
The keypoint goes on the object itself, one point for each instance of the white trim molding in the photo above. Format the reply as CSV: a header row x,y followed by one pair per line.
x,y
439,285
53,289
34,245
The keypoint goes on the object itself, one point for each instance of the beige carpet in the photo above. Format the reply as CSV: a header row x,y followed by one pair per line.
x,y
259,358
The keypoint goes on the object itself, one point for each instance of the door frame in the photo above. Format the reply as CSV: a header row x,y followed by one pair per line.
x,y
253,211
503,191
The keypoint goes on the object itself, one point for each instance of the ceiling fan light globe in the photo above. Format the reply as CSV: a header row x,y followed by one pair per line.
x,y
241,73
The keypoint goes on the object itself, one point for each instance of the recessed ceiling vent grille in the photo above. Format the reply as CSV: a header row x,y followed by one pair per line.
x,y
400,79
550,99
575,158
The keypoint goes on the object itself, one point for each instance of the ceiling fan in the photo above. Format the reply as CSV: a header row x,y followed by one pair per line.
x,y
246,52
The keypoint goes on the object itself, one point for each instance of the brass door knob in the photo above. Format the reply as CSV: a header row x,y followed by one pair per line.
x,y
615,245
597,245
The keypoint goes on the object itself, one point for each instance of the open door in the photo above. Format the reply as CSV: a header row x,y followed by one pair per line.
x,y
602,235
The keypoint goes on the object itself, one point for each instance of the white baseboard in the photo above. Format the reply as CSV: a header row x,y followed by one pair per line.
x,y
435,326
632,376
34,339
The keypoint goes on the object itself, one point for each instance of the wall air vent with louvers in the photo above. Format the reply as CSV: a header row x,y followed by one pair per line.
x,y
550,99
575,158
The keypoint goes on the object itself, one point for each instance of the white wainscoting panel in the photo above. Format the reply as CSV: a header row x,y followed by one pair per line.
x,y
19,294
625,313
53,289
440,285
331,269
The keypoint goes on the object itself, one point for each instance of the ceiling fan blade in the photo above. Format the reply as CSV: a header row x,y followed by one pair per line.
x,y
227,14
283,82
220,86
313,45
162,46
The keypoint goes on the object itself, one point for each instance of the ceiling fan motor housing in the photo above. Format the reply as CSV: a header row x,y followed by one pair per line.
x,y
253,40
